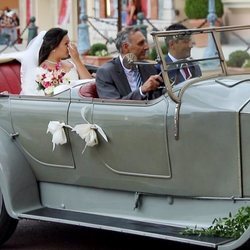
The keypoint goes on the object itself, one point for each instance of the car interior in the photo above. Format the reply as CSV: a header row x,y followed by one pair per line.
x,y
10,80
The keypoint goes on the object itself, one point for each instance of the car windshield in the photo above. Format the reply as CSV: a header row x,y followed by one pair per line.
x,y
225,51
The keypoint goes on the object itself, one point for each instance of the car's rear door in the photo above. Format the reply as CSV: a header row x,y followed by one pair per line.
x,y
30,118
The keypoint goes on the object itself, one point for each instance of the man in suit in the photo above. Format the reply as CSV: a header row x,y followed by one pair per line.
x,y
179,50
115,81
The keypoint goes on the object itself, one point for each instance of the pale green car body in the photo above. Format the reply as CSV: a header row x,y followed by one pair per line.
x,y
179,160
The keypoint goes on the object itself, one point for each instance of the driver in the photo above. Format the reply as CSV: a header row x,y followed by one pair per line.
x,y
115,81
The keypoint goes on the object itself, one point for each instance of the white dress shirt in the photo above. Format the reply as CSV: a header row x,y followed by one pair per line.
x,y
176,60
131,77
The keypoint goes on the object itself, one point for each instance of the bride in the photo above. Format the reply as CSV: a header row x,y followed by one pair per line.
x,y
49,61
57,63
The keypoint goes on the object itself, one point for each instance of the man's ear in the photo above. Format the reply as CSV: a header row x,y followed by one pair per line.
x,y
171,43
125,48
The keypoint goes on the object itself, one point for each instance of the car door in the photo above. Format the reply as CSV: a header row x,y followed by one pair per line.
x,y
30,119
136,147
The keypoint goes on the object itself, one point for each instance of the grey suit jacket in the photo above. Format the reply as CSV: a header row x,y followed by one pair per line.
x,y
112,82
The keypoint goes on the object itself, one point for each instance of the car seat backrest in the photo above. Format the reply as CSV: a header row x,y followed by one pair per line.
x,y
10,77
88,90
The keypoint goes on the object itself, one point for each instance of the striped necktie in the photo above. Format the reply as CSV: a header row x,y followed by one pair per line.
x,y
137,77
186,70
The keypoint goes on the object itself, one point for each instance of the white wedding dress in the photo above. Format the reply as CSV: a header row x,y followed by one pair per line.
x,y
70,78
29,66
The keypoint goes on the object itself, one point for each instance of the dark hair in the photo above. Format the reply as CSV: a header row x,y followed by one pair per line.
x,y
179,36
51,40
124,35
138,7
176,26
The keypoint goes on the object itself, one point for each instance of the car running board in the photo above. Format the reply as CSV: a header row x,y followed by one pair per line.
x,y
148,229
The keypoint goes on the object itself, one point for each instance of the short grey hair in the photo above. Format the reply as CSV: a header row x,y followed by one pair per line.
x,y
124,36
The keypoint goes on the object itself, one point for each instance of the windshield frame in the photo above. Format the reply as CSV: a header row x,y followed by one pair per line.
x,y
214,34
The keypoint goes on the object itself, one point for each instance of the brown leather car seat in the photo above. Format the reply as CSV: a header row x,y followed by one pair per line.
x,y
88,90
10,77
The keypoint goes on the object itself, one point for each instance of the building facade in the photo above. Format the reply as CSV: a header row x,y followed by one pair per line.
x,y
103,14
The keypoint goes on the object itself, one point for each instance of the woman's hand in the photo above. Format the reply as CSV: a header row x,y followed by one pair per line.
x,y
81,69
73,52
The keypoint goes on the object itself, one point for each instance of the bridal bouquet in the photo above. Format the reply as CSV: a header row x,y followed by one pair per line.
x,y
48,79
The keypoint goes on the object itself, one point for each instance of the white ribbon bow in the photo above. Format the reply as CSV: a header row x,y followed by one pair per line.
x,y
58,134
88,132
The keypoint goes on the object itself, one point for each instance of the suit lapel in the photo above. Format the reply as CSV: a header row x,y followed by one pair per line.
x,y
146,71
120,78
195,69
174,73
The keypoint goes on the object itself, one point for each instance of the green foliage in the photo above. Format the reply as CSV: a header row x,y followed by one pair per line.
x,y
246,64
237,58
153,54
98,49
198,9
229,227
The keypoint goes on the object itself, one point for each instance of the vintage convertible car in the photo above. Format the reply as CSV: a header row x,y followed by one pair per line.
x,y
148,168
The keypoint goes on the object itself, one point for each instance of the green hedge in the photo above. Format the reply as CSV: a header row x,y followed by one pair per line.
x,y
238,58
98,49
198,9
153,54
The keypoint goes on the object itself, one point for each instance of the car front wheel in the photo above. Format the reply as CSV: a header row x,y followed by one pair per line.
x,y
7,224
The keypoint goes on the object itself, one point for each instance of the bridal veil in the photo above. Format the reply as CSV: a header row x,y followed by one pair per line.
x,y
29,62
